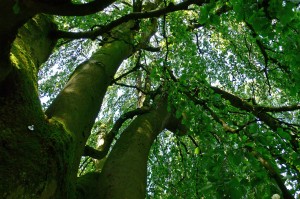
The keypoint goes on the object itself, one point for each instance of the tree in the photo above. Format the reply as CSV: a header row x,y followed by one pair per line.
x,y
184,99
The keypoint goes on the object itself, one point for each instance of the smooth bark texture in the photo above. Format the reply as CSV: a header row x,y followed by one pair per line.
x,y
125,170
78,104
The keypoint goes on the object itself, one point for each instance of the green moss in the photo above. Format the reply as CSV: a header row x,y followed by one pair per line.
x,y
33,162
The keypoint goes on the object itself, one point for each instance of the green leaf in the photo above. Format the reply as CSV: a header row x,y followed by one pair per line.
x,y
203,17
215,20
283,134
235,158
206,187
286,14
197,151
234,190
253,129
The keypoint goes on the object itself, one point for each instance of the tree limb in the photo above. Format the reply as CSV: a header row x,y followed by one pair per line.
x,y
279,109
269,120
109,137
132,16
275,175
66,8
130,86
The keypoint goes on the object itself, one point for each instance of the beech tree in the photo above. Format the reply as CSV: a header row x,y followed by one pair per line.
x,y
149,99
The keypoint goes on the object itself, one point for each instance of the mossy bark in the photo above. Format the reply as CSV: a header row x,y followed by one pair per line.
x,y
13,15
40,154
33,152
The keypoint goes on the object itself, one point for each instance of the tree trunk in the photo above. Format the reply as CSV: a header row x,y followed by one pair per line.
x,y
78,104
40,154
125,170
30,153
13,15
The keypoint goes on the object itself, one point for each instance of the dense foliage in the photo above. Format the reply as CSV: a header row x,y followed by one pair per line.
x,y
231,67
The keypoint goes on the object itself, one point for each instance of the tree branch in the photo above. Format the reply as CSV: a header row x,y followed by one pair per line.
x,y
263,50
66,8
138,65
269,120
275,175
279,109
132,16
109,137
130,86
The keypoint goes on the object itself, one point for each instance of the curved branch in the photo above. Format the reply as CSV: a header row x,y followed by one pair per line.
x,y
96,154
263,49
132,16
67,8
268,119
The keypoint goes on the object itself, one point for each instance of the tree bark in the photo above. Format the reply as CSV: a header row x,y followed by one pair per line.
x,y
40,154
30,153
13,16
125,171
78,104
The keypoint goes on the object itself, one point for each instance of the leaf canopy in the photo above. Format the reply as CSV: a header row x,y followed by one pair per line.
x,y
247,48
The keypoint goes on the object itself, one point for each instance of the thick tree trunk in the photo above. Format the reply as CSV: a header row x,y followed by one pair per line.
x,y
40,154
78,104
125,170
13,15
30,151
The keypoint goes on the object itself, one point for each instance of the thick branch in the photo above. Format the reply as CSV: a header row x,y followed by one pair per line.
x,y
124,174
273,123
78,104
68,8
279,109
132,16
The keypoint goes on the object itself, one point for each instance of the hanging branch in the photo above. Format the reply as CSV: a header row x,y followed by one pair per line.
x,y
273,174
242,104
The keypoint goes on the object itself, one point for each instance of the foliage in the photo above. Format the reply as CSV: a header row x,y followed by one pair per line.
x,y
247,48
